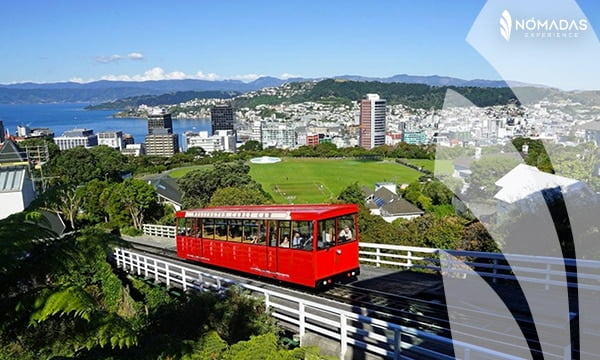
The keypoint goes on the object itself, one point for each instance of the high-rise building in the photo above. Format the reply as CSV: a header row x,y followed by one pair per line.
x,y
162,144
160,140
221,118
160,119
372,121
2,138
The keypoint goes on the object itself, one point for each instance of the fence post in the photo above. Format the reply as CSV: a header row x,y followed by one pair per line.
x,y
167,275
183,279
301,320
409,261
397,344
343,336
494,271
377,257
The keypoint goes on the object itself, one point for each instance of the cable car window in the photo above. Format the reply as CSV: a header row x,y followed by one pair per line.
x,y
220,229
301,235
208,228
235,230
326,234
284,234
346,229
273,232
184,226
251,231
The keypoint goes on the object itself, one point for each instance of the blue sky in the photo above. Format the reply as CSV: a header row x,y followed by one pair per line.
x,y
51,41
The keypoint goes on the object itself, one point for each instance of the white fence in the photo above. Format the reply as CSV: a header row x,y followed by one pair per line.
x,y
159,230
547,271
374,336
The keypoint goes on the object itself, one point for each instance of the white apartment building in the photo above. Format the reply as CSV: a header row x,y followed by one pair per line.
x,y
222,140
76,137
278,135
113,139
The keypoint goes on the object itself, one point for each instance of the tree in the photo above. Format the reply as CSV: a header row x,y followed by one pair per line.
x,y
110,162
134,196
352,194
238,196
486,171
94,209
75,166
198,186
251,145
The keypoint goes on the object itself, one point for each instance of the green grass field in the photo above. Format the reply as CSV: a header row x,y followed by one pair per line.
x,y
321,180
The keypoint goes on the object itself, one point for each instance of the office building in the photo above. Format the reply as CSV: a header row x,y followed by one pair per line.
x,y
76,137
160,140
372,121
2,137
159,119
162,143
221,118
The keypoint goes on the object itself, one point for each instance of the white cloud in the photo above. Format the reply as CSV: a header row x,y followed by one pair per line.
x,y
116,57
135,56
286,76
246,77
158,73
202,76
77,80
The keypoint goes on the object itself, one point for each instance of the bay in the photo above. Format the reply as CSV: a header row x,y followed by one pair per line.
x,y
63,117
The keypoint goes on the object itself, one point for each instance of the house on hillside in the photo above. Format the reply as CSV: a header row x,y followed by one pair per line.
x,y
167,191
17,189
386,203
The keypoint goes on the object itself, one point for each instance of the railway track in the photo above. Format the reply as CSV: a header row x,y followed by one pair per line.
x,y
423,314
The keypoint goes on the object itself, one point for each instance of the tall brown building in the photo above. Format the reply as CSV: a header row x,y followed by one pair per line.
x,y
372,121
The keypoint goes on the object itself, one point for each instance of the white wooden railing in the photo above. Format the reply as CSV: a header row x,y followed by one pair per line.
x,y
375,336
546,271
165,231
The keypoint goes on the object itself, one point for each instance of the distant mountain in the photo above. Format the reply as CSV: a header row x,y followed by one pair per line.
x,y
104,90
436,80
163,99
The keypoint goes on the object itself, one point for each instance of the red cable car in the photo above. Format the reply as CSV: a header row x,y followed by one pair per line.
x,y
309,245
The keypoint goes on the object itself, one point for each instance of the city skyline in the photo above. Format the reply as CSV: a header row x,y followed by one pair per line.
x,y
135,41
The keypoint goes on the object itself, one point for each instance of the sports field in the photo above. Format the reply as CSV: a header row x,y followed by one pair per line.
x,y
321,180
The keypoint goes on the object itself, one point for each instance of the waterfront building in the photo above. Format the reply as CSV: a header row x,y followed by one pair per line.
x,y
162,143
159,119
134,150
23,131
372,121
113,139
160,140
76,137
221,118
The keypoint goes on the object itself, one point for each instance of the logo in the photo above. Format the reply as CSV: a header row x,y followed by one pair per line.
x,y
547,28
506,25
